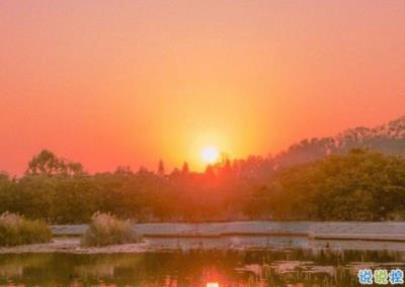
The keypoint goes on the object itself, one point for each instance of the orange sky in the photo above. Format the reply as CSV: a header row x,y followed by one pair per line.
x,y
111,83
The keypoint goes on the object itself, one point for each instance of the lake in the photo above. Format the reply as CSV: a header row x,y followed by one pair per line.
x,y
196,268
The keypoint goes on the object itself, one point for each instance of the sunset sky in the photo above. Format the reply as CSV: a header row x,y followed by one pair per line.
x,y
111,83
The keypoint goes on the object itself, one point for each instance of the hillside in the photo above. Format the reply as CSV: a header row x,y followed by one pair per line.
x,y
388,138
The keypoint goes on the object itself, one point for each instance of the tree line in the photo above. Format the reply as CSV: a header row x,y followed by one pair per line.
x,y
358,185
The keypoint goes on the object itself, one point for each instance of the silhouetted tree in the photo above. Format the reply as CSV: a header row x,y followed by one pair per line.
x,y
185,169
47,163
123,170
161,168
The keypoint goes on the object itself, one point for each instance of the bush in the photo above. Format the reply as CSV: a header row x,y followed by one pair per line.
x,y
106,229
17,230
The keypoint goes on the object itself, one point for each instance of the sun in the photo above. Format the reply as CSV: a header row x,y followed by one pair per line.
x,y
210,154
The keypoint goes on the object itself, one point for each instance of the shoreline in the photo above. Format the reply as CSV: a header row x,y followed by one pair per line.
x,y
253,235
374,231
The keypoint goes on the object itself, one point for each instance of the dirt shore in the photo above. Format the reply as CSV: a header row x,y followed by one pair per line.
x,y
234,236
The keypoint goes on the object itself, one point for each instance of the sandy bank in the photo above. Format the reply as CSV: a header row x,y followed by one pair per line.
x,y
381,231
235,236
235,243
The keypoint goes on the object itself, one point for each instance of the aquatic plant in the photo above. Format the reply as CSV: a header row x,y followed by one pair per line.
x,y
17,230
107,229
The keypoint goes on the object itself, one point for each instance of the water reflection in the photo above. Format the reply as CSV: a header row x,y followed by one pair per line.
x,y
293,268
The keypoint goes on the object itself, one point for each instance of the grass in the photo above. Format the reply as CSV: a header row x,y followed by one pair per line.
x,y
17,230
106,229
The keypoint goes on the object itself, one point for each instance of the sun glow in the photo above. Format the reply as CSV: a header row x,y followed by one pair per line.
x,y
210,154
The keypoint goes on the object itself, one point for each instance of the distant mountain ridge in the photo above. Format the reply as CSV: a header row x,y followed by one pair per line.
x,y
388,138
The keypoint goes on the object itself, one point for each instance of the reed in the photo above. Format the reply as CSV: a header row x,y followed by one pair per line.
x,y
17,230
107,229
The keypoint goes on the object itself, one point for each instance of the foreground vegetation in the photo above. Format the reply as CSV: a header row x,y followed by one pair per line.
x,y
16,230
106,229
359,185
